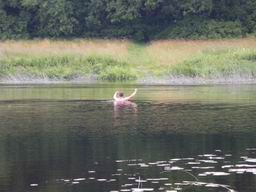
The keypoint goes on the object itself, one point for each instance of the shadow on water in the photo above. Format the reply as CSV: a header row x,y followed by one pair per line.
x,y
171,140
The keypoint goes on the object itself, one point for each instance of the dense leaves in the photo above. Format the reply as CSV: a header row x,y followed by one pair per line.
x,y
137,19
202,28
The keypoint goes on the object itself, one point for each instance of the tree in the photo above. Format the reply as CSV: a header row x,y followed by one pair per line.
x,y
56,19
13,20
137,19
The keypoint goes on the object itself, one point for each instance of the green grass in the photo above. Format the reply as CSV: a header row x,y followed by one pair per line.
x,y
67,67
218,63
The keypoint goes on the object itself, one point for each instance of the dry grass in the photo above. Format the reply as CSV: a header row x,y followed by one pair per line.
x,y
169,52
165,52
114,48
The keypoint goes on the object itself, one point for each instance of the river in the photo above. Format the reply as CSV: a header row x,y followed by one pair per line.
x,y
68,137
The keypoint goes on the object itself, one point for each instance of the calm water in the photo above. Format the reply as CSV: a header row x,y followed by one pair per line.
x,y
71,138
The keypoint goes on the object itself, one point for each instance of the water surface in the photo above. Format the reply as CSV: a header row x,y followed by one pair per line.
x,y
72,138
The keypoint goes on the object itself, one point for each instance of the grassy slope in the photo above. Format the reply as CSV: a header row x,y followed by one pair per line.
x,y
124,60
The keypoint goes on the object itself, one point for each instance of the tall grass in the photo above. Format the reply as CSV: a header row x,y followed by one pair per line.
x,y
67,67
116,48
66,59
117,60
218,63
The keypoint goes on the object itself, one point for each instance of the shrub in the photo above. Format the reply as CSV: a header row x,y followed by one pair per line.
x,y
12,27
200,28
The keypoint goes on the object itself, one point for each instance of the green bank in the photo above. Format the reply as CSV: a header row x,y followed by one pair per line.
x,y
139,62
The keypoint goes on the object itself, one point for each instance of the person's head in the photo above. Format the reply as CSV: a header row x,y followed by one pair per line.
x,y
120,94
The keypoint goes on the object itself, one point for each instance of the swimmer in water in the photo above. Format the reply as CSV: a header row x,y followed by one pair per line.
x,y
119,96
124,108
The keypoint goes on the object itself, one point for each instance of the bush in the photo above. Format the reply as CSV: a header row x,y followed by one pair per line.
x,y
12,27
136,31
200,28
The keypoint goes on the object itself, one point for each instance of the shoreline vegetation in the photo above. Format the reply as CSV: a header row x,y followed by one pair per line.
x,y
161,62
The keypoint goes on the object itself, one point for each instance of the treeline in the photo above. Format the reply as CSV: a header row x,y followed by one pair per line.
x,y
136,19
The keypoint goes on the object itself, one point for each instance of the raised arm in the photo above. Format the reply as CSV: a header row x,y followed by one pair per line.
x,y
115,95
134,93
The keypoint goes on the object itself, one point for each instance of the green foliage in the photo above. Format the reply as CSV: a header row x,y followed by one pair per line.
x,y
136,19
55,19
200,28
13,27
249,17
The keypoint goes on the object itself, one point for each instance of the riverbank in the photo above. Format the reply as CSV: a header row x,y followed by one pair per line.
x,y
158,62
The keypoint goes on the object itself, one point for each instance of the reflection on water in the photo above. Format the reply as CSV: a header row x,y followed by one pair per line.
x,y
125,112
170,139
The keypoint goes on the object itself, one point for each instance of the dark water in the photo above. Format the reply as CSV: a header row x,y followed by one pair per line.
x,y
72,138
